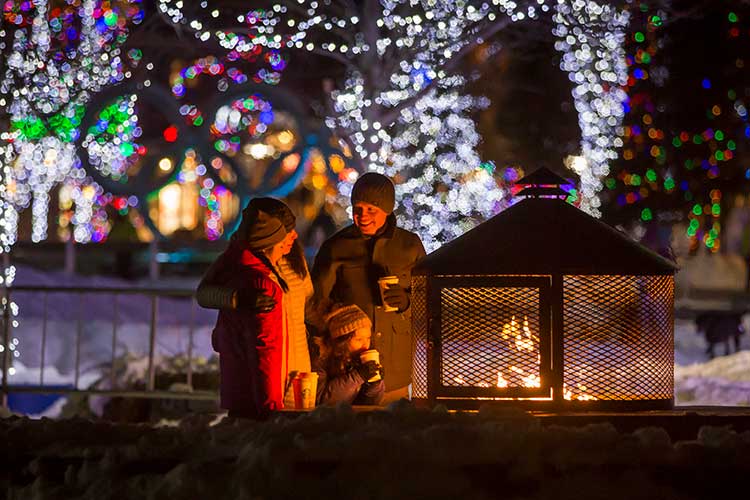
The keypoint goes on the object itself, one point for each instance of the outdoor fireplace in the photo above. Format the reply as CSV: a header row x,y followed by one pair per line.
x,y
544,306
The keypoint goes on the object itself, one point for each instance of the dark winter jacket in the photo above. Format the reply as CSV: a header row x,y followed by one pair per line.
x,y
349,387
249,344
347,269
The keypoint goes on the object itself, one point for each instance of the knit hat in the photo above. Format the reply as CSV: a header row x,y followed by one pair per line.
x,y
263,231
275,208
346,319
375,189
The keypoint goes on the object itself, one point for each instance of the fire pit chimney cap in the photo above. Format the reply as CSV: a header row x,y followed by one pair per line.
x,y
543,235
543,177
544,183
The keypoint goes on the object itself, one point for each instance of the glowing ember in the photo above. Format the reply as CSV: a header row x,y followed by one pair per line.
x,y
578,395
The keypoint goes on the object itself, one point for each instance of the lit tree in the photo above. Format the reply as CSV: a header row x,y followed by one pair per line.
x,y
56,55
591,37
398,56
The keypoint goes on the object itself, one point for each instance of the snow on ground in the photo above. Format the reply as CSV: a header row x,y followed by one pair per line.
x,y
723,381
337,453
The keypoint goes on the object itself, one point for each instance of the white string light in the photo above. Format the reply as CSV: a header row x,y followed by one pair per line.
x,y
591,38
375,110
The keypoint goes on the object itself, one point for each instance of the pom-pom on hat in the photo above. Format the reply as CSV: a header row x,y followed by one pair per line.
x,y
375,189
345,319
263,231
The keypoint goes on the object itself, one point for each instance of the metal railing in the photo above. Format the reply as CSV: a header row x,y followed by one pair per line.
x,y
149,390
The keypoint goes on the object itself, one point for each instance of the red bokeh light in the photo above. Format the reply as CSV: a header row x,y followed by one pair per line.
x,y
170,133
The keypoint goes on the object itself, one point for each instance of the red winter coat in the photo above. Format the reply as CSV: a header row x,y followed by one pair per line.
x,y
249,344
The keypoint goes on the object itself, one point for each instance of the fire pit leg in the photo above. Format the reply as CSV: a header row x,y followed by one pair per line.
x,y
556,303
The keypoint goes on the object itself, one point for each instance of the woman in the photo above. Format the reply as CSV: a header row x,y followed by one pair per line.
x,y
342,376
213,293
249,343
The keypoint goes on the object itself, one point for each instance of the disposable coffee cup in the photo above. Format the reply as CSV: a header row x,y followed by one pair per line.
x,y
305,388
384,283
371,355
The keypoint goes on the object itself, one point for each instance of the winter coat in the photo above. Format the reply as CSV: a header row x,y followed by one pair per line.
x,y
249,344
212,293
347,269
349,387
296,351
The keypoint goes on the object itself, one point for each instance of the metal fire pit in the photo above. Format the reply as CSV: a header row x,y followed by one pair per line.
x,y
544,306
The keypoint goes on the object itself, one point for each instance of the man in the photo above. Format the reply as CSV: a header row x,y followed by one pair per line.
x,y
350,262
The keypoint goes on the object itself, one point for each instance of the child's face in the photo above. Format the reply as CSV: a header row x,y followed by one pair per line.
x,y
360,341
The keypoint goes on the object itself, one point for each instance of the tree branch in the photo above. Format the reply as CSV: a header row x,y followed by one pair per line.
x,y
391,115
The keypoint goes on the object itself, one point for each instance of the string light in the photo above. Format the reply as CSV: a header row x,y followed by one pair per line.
x,y
416,97
591,37
57,59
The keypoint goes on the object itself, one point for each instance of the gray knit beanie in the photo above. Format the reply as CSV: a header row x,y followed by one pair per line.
x,y
275,208
375,189
263,231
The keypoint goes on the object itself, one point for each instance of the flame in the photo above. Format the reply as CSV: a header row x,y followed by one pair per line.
x,y
510,330
521,336
501,382
579,395
531,380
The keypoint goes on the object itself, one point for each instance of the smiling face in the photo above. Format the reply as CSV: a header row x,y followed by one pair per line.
x,y
368,218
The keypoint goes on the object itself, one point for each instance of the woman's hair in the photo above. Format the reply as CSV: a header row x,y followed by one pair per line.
x,y
261,254
296,259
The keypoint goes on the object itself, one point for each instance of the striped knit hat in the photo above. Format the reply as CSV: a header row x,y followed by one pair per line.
x,y
275,208
345,319
263,231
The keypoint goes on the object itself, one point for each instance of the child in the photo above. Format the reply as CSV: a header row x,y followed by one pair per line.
x,y
342,377
249,341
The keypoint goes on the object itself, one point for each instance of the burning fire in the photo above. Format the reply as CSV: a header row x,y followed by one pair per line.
x,y
520,337
580,394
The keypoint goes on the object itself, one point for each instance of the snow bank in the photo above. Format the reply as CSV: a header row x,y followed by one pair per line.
x,y
723,381
337,453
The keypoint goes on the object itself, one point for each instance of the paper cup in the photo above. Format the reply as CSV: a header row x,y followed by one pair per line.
x,y
384,283
371,355
305,388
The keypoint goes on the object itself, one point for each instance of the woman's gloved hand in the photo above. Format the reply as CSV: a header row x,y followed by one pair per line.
x,y
250,299
396,296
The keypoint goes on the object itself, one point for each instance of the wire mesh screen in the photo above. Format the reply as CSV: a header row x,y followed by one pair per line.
x,y
419,328
618,338
490,337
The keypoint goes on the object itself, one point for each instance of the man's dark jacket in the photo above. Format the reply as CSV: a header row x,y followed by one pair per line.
x,y
347,269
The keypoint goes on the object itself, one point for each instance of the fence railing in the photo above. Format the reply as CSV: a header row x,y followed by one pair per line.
x,y
149,390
